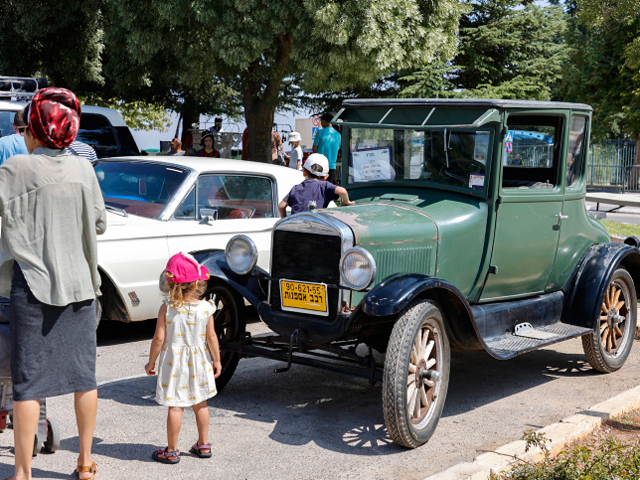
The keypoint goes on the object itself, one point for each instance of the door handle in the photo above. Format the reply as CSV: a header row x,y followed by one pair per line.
x,y
562,217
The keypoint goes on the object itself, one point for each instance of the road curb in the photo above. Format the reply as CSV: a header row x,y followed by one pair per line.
x,y
560,434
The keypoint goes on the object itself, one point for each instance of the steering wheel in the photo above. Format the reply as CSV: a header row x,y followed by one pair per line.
x,y
461,169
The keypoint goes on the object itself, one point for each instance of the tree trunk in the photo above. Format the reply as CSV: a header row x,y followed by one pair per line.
x,y
260,103
189,117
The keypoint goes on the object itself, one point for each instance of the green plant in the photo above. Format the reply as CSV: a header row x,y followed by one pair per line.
x,y
622,229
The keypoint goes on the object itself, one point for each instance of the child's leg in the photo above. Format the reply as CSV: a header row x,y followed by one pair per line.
x,y
174,421
202,420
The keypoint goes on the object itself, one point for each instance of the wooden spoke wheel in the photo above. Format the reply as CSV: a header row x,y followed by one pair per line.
x,y
229,327
416,375
608,347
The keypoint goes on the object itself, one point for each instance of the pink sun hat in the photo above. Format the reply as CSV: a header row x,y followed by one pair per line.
x,y
183,268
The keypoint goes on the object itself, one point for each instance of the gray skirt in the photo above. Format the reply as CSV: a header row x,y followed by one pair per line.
x,y
53,349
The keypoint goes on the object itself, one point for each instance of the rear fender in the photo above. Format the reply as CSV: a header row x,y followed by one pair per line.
x,y
392,296
586,288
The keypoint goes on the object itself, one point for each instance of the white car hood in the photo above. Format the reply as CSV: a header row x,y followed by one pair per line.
x,y
131,226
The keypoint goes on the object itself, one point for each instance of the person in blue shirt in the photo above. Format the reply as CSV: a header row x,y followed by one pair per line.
x,y
14,144
327,142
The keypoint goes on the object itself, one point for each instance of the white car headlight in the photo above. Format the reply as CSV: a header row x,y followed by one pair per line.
x,y
241,254
358,268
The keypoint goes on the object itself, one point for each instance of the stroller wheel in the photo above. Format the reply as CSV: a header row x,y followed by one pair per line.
x,y
52,443
37,446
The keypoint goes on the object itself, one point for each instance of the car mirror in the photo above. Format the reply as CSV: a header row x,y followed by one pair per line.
x,y
208,215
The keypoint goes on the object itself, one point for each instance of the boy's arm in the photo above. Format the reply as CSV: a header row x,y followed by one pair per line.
x,y
344,196
214,347
158,340
282,208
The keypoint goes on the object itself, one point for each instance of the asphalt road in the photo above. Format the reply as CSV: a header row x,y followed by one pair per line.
x,y
311,424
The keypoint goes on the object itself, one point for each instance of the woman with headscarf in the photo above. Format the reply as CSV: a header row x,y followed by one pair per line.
x,y
51,208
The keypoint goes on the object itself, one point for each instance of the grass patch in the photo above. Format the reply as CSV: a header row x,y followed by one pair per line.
x,y
621,229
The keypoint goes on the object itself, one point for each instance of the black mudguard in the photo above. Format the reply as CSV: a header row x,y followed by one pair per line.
x,y
245,285
394,294
586,287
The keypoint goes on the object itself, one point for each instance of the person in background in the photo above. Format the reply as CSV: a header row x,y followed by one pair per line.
x,y
50,274
315,190
516,160
176,148
217,125
245,144
276,144
14,144
327,142
295,155
207,143
82,149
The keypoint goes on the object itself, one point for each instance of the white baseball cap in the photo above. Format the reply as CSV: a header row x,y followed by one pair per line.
x,y
294,137
321,161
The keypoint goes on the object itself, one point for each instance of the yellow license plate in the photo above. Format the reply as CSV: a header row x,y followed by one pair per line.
x,y
304,297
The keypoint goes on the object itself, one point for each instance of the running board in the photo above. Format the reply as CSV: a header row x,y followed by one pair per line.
x,y
511,344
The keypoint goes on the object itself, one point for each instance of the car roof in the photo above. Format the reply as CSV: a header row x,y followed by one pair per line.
x,y
461,102
200,164
113,116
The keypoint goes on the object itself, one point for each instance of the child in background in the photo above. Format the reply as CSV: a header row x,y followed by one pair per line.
x,y
315,189
187,344
295,155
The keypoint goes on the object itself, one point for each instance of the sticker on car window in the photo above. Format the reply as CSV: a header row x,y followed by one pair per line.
x,y
476,180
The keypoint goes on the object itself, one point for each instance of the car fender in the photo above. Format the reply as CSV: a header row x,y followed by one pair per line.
x,y
393,295
246,286
587,285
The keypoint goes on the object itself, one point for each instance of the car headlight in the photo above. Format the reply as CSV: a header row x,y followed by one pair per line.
x,y
241,254
358,268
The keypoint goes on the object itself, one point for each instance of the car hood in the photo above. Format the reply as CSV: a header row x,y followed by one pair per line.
x,y
386,223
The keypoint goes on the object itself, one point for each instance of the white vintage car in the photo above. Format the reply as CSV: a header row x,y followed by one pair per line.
x,y
158,206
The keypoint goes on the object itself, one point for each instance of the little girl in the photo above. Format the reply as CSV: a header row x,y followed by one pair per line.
x,y
186,341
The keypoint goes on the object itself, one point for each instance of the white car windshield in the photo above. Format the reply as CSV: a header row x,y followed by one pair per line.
x,y
138,188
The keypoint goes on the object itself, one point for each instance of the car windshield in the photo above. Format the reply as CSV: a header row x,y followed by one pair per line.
x,y
447,157
138,188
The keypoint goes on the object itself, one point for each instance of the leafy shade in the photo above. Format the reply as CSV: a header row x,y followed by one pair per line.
x,y
508,49
267,53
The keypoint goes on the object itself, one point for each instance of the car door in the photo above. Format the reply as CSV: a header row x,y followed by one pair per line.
x,y
220,206
529,213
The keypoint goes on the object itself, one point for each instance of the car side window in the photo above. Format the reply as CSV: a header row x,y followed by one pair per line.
x,y
575,155
187,209
531,151
235,196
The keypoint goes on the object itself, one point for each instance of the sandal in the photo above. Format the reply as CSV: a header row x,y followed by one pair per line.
x,y
162,455
93,468
196,450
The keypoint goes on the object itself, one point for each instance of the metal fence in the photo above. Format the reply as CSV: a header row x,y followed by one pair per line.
x,y
611,165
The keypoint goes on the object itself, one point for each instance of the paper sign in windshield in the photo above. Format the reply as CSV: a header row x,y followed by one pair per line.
x,y
476,181
372,165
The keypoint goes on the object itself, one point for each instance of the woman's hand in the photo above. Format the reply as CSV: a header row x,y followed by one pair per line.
x,y
150,368
217,369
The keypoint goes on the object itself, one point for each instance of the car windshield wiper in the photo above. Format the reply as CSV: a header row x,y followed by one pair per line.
x,y
117,210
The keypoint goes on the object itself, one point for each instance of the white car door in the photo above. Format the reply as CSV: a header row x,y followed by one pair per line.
x,y
220,206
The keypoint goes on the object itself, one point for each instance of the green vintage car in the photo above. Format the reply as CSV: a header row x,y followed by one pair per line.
x,y
469,232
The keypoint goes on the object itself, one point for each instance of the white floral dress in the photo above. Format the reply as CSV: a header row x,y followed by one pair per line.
x,y
185,366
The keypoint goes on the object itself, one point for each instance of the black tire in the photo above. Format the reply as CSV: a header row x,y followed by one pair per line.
x,y
414,389
229,326
98,311
608,347
37,445
52,443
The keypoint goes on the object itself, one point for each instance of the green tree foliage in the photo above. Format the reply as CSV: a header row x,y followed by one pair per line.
x,y
604,69
266,53
508,49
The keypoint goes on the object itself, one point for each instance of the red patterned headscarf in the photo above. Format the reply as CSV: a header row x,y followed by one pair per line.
x,y
54,117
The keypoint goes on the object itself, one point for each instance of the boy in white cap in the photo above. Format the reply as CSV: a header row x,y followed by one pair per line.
x,y
295,155
315,190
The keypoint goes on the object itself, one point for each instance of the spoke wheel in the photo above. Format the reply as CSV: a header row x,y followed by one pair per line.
x,y
416,374
608,347
229,328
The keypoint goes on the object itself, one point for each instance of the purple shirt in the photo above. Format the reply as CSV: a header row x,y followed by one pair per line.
x,y
320,191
